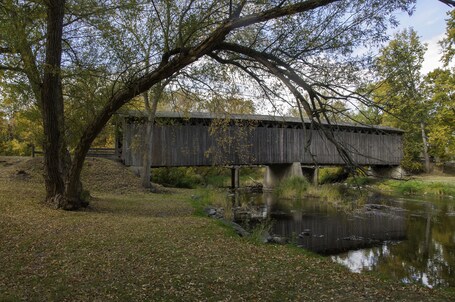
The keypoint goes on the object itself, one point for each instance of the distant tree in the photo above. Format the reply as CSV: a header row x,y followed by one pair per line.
x,y
440,91
402,96
448,43
228,105
335,110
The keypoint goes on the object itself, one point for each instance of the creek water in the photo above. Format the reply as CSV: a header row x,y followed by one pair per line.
x,y
407,238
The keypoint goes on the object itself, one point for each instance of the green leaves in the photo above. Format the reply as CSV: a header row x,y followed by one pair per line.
x,y
448,43
440,87
401,89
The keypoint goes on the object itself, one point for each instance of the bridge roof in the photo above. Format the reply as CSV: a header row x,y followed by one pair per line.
x,y
253,117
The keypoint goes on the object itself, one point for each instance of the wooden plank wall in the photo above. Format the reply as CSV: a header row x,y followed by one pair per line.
x,y
192,145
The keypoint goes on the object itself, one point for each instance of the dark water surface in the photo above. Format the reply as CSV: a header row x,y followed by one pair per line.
x,y
410,239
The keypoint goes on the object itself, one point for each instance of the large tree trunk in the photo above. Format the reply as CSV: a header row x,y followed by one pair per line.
x,y
425,148
55,153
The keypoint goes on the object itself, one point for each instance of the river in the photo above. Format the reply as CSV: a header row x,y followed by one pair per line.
x,y
411,239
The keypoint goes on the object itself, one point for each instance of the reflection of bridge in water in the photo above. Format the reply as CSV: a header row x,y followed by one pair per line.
x,y
322,228
283,144
331,234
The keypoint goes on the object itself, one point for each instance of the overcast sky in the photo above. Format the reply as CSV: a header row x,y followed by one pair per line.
x,y
429,20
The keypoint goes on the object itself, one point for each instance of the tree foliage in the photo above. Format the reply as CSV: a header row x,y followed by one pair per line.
x,y
421,105
440,88
399,66
448,43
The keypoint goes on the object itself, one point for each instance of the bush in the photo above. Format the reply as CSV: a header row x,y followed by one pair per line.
x,y
359,180
177,177
332,175
14,147
192,177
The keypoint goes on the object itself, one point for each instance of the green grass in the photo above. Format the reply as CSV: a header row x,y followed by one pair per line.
x,y
292,188
418,187
203,197
136,246
330,193
360,180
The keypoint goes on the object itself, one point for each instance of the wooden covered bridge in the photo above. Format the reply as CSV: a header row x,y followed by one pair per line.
x,y
283,144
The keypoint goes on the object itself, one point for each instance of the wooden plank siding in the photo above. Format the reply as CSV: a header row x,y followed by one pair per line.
x,y
189,142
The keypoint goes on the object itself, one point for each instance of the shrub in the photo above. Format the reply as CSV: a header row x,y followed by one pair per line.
x,y
359,180
332,175
192,177
177,177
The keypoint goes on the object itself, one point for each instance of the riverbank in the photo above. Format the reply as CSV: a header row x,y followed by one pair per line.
x,y
420,185
133,245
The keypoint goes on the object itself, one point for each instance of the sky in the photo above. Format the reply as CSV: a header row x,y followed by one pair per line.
x,y
429,20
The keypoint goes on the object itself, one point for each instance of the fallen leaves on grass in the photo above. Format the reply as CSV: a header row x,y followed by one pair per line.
x,y
142,246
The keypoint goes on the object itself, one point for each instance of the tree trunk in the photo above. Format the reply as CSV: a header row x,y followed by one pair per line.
x,y
148,139
55,154
425,148
61,191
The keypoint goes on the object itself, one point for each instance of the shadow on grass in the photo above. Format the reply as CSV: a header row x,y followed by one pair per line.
x,y
142,204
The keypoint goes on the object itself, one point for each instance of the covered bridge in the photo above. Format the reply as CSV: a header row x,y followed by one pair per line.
x,y
204,139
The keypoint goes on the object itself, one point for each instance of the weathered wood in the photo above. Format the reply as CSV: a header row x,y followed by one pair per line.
x,y
180,141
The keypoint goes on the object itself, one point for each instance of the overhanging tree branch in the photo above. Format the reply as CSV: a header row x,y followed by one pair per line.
x,y
12,68
287,76
167,69
450,3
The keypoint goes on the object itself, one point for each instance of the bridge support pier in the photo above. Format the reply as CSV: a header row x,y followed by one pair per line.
x,y
278,172
394,172
235,177
311,173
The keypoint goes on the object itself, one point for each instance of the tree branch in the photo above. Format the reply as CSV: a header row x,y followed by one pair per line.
x,y
450,3
287,76
167,69
279,11
12,68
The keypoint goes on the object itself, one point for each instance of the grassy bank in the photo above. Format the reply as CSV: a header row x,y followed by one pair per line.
x,y
131,245
427,185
